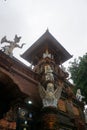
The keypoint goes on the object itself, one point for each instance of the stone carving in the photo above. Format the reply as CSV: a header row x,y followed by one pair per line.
x,y
46,54
78,95
49,73
8,49
50,96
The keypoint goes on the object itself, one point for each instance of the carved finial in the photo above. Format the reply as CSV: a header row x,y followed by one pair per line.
x,y
17,39
3,39
47,30
46,54
8,49
47,51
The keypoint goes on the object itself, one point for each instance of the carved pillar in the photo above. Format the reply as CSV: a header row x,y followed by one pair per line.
x,y
50,89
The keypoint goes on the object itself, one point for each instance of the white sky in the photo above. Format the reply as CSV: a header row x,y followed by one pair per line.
x,y
66,20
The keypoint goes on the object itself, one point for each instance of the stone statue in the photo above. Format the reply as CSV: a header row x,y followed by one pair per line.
x,y
8,49
78,95
49,73
50,96
46,54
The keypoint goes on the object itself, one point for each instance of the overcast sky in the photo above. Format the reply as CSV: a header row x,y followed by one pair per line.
x,y
66,20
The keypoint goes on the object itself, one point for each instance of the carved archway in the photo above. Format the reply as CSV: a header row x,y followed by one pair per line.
x,y
9,93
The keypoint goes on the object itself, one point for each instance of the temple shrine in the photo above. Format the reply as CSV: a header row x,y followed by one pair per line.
x,y
38,97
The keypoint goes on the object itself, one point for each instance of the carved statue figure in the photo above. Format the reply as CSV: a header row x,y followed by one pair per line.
x,y
8,49
50,96
46,54
78,95
49,73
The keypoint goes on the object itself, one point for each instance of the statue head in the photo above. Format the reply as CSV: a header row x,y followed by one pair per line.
x,y
50,87
79,91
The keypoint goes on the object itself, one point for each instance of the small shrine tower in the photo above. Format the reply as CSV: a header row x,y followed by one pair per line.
x,y
60,109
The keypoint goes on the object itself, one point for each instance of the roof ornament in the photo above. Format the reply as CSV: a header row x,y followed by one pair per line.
x,y
46,54
47,30
8,49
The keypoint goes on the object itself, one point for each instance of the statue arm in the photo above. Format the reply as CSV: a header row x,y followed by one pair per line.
x,y
42,91
58,92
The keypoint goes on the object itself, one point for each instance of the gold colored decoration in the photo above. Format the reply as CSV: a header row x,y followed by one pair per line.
x,y
61,105
50,121
76,111
4,125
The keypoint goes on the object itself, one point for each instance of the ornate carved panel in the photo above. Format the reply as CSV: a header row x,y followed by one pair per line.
x,y
76,111
61,105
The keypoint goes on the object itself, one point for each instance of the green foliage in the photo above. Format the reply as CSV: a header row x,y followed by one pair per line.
x,y
78,70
